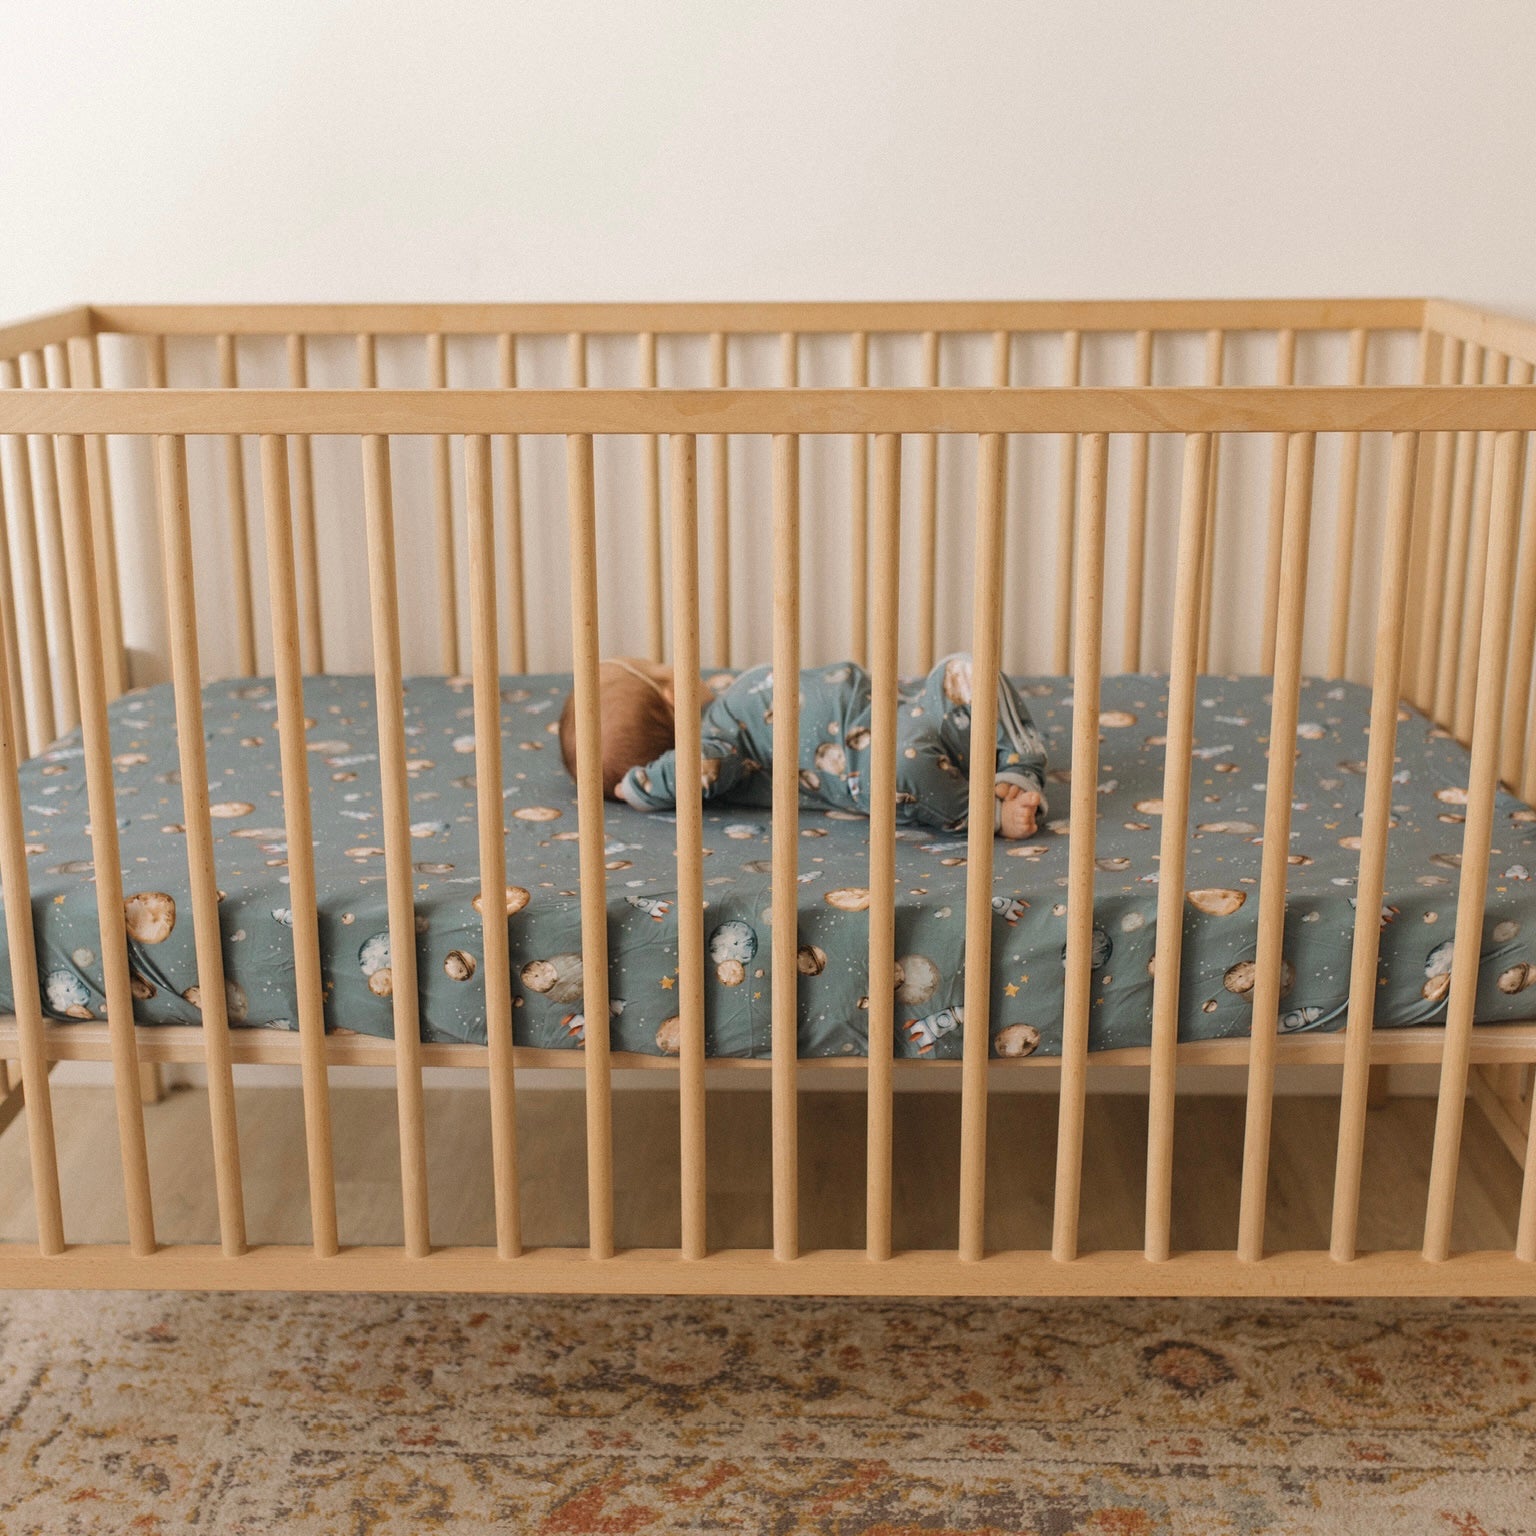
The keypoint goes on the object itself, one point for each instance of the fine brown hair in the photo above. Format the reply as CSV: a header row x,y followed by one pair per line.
x,y
637,725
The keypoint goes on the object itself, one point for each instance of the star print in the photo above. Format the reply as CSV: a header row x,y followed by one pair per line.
x,y
1011,990
668,983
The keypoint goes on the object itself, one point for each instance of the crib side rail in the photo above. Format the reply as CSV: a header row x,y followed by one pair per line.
x,y
769,319
980,423
722,346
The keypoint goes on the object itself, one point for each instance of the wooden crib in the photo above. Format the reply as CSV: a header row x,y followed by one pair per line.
x,y
974,431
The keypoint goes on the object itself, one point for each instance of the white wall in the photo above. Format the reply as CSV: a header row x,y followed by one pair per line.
x,y
692,149
569,149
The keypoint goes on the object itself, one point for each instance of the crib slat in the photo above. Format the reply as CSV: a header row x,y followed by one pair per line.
x,y
928,509
442,509
789,359
1136,521
1451,616
490,818
50,533
858,519
16,703
1285,373
312,632
1087,659
1002,374
26,991
239,537
1066,509
1437,541
39,690
53,373
1273,868
1472,892
101,797
1174,849
582,507
1344,528
576,359
976,1027
1215,363
1371,886
367,362
1517,695
882,844
155,371
202,878
655,607
720,471
1495,371
299,834
512,493
389,689
83,357
784,1019
1430,348
690,836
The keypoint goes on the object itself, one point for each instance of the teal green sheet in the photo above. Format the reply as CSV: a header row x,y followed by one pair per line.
x,y
1029,918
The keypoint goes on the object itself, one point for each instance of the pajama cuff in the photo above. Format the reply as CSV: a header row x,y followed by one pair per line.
x,y
1024,781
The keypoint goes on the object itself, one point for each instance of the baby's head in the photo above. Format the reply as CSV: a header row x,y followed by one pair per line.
x,y
635,705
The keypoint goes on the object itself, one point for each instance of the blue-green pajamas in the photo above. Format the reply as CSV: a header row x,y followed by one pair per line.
x,y
933,746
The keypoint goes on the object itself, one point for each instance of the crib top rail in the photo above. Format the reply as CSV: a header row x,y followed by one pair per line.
x,y
810,318
54,329
1461,322
1423,408
1516,339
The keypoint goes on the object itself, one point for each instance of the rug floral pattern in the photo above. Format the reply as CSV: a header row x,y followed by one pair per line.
x,y
371,1416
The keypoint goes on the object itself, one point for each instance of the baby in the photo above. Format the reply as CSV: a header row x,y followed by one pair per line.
x,y
933,737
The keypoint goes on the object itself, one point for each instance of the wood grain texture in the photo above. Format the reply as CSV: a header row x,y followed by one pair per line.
x,y
1234,408
761,319
298,824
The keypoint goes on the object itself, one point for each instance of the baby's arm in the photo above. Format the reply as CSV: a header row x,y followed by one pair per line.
x,y
653,786
722,764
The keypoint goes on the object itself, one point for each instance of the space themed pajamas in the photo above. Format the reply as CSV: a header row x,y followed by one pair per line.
x,y
933,736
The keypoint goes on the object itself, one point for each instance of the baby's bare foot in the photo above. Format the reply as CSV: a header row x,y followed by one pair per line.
x,y
1020,815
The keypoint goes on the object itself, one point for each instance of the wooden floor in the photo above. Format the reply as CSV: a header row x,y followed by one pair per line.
x,y
1021,1161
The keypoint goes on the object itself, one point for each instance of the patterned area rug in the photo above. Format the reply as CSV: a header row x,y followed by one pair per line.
x,y
371,1415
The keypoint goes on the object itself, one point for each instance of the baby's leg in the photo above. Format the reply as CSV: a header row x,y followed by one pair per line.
x,y
1020,765
1020,750
932,786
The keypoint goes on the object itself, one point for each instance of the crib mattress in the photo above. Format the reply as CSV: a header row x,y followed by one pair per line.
x,y
1029,914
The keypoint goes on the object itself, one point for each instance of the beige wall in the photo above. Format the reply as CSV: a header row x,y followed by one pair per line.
x,y
336,149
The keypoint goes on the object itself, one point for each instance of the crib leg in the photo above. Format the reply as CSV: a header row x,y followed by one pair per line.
x,y
1377,1092
151,1082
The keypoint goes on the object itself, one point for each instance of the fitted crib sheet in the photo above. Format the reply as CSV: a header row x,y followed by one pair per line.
x,y
1029,915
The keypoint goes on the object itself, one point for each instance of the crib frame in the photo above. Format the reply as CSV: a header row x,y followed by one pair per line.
x,y
1455,632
